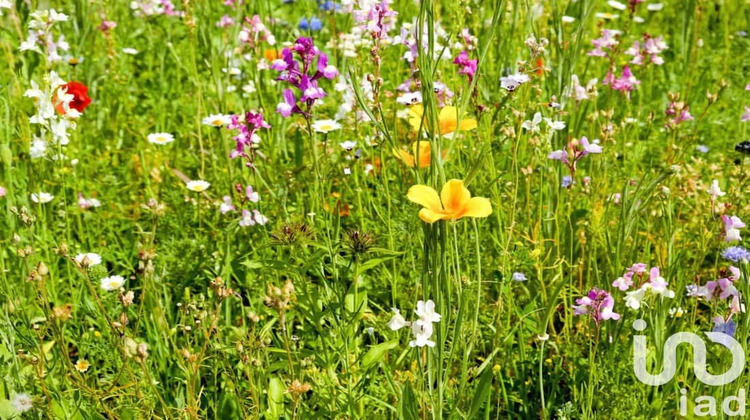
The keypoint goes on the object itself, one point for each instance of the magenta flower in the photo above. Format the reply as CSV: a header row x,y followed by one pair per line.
x,y
106,25
626,83
247,136
299,74
466,66
225,21
598,303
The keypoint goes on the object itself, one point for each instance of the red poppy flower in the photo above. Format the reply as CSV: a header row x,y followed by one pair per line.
x,y
80,97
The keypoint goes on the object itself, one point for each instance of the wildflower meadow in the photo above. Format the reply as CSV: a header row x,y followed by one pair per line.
x,y
374,209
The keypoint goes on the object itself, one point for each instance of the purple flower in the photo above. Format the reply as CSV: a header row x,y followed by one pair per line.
x,y
574,152
466,66
746,115
598,304
736,254
377,19
567,181
299,74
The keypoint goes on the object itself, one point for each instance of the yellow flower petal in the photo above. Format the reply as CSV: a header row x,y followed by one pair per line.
x,y
429,216
448,119
422,151
468,124
425,196
416,113
404,156
477,207
454,196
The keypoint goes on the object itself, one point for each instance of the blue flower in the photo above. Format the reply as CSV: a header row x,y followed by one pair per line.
x,y
728,327
519,276
736,254
328,5
566,181
314,25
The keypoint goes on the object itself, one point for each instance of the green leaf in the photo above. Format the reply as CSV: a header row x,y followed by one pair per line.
x,y
376,353
481,393
275,398
409,405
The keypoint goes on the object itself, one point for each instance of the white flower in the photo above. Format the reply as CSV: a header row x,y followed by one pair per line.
x,y
633,299
422,333
57,17
555,125
397,321
259,218
348,145
568,19
325,126
197,186
112,283
655,7
130,51
533,124
160,138
617,5
410,98
607,16
217,120
88,259
715,191
426,311
512,82
41,197
22,402
247,218
38,148
519,277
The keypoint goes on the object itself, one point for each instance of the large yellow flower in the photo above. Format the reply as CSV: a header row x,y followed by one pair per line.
x,y
454,202
447,119
421,150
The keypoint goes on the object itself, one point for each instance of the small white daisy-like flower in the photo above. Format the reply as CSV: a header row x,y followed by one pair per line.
x,y
654,7
617,5
160,138
325,126
112,283
217,120
88,259
41,197
22,402
607,16
568,19
82,365
197,185
130,51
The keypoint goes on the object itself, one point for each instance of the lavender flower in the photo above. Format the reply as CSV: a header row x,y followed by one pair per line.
x,y
736,254
247,136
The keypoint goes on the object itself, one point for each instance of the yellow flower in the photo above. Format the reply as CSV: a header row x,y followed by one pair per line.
x,y
447,119
82,365
421,149
454,202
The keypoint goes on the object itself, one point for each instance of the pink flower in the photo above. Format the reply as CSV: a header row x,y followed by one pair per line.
x,y
626,83
598,304
106,25
746,115
607,41
732,226
225,21
3,192
466,66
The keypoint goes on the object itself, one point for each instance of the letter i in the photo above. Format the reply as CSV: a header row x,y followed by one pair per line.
x,y
683,403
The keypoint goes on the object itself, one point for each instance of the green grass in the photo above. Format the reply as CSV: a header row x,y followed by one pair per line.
x,y
303,331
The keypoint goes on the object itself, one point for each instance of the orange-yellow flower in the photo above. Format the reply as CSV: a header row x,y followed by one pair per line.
x,y
455,201
421,150
447,119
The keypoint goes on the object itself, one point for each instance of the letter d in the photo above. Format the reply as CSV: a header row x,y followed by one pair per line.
x,y
726,405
